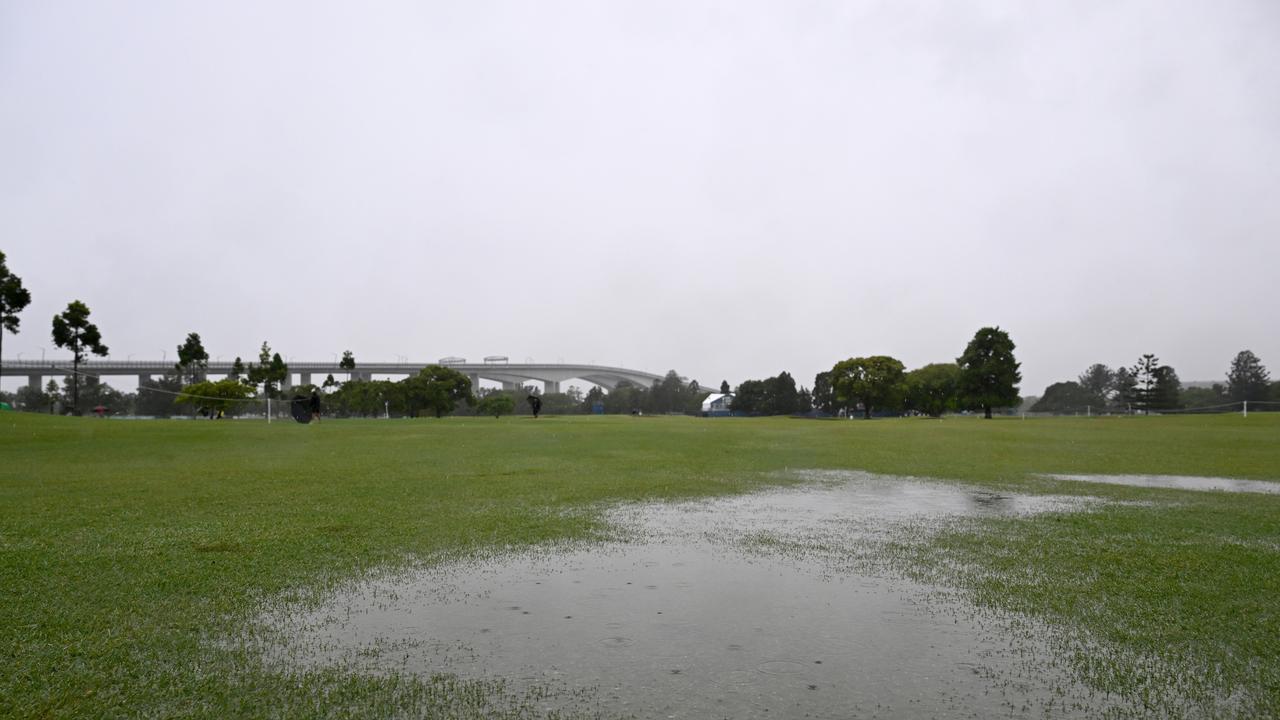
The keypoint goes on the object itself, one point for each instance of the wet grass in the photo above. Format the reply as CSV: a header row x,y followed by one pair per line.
x,y
128,548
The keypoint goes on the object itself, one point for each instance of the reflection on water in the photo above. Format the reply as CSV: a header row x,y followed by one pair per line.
x,y
683,622
1179,482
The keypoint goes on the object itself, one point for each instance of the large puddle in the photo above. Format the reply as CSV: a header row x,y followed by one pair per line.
x,y
1178,482
737,607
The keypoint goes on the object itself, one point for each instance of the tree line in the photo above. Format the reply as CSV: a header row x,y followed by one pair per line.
x,y
1151,386
985,377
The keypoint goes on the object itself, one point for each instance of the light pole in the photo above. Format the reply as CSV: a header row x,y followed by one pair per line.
x,y
41,354
130,358
19,356
164,356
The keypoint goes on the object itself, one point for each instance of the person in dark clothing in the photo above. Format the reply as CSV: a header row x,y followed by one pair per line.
x,y
315,405
535,403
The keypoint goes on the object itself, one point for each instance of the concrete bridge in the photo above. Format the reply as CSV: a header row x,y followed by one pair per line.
x,y
511,375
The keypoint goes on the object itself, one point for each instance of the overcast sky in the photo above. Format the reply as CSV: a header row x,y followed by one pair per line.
x,y
729,189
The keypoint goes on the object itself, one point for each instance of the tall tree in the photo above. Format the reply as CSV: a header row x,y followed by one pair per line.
x,y
192,359
824,399
1144,382
348,363
1099,380
1124,389
270,371
724,387
1248,379
1166,392
989,374
13,299
874,382
237,370
73,331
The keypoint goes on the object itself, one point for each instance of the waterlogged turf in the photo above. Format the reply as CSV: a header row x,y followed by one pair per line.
x,y
737,607
138,559
1177,482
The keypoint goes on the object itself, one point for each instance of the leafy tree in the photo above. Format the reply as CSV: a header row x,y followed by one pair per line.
x,y
724,387
192,359
750,397
237,371
93,393
1099,381
824,399
1124,389
33,399
1248,379
348,362
932,389
329,383
804,399
438,389
1067,397
1165,394
73,331
989,374
1144,382
270,371
496,404
219,396
13,299
874,382
593,396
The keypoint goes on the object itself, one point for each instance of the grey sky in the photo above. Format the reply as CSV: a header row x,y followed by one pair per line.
x,y
729,189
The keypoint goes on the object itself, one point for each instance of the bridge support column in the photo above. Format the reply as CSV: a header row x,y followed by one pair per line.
x,y
287,383
510,385
35,382
306,378
475,381
143,378
550,386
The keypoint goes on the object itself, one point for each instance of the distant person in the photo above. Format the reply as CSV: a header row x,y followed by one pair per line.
x,y
315,405
535,403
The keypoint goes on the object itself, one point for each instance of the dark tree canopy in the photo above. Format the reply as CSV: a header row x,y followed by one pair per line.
x,y
1099,381
437,389
270,371
193,360
1068,397
348,362
875,382
772,396
73,331
13,299
932,389
1248,379
989,374
496,404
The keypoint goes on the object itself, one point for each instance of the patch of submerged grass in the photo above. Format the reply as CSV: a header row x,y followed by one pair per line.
x,y
1172,604
126,547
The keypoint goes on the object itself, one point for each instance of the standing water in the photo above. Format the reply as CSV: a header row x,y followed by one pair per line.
x,y
740,607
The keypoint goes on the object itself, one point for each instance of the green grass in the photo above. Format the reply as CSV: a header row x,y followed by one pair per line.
x,y
128,548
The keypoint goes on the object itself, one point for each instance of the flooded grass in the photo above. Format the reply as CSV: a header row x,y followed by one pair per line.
x,y
130,552
1179,482
696,616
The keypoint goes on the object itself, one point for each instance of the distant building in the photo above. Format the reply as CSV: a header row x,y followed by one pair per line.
x,y
718,405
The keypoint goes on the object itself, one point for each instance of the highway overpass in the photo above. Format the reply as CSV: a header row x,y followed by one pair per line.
x,y
511,375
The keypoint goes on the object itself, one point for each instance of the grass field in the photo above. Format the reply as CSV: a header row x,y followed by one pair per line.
x,y
127,548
